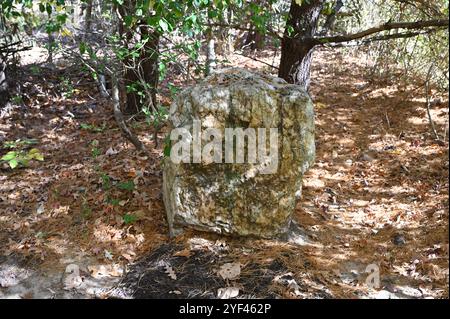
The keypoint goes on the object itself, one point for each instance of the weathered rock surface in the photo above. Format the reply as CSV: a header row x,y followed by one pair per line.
x,y
232,198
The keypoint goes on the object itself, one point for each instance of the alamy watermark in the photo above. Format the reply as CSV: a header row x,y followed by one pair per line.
x,y
260,150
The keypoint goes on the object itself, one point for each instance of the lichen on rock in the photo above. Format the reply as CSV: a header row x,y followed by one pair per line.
x,y
240,198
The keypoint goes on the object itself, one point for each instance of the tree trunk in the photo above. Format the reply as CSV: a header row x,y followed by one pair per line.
x,y
210,54
150,65
331,19
142,72
255,40
51,47
88,17
297,48
224,44
4,92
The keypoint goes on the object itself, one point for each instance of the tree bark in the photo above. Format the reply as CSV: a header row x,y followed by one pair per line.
x,y
210,53
255,40
142,72
88,17
223,37
149,61
417,25
4,92
331,19
297,47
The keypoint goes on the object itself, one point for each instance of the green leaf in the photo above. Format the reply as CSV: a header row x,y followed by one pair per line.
x,y
9,156
163,25
128,186
24,161
82,47
35,154
129,219
13,163
106,181
49,8
61,18
167,146
95,152
29,141
114,201
290,30
128,20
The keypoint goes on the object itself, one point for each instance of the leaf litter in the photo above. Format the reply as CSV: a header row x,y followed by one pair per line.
x,y
377,194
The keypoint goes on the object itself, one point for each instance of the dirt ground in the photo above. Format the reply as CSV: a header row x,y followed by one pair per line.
x,y
377,198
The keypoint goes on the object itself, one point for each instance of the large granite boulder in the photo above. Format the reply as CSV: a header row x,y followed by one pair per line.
x,y
219,194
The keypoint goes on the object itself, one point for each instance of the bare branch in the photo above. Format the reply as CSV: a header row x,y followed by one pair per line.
x,y
402,35
258,60
384,27
120,120
242,28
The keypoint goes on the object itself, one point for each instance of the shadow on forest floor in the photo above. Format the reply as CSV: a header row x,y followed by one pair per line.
x,y
377,194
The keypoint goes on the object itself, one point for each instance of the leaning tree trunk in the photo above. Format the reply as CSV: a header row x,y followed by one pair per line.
x,y
297,47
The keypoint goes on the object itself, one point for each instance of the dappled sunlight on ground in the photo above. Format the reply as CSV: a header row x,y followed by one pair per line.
x,y
377,194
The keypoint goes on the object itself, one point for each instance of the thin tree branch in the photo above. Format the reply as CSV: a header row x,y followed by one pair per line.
x,y
403,35
242,28
120,120
258,60
384,27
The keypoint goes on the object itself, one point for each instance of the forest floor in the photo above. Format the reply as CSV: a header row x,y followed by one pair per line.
x,y
376,198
